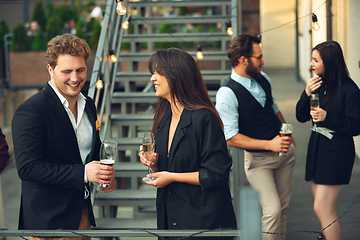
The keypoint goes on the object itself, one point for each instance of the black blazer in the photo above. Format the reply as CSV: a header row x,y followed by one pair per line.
x,y
49,163
198,145
331,161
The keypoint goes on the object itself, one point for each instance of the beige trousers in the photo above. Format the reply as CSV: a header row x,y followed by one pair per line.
x,y
271,175
84,225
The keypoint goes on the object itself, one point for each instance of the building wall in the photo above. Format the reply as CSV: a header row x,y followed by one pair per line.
x,y
278,45
352,51
305,41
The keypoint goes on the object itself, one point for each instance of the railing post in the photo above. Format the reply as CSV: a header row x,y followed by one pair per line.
x,y
250,218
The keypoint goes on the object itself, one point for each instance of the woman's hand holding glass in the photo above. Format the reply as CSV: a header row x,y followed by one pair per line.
x,y
147,150
318,115
152,164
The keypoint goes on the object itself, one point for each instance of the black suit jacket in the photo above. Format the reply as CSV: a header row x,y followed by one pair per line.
x,y
330,161
49,163
198,145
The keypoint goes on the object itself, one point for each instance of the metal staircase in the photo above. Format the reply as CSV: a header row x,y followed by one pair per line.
x,y
127,99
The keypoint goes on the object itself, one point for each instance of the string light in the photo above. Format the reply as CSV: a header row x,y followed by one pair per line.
x,y
199,54
120,7
316,25
125,25
259,35
112,55
229,29
99,84
121,10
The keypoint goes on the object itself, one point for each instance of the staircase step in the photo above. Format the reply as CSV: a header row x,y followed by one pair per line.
x,y
180,3
180,19
165,37
128,143
124,223
144,56
208,75
132,117
128,169
134,97
141,97
126,197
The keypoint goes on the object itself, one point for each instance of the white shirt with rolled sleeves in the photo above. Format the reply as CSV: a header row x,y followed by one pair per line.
x,y
227,103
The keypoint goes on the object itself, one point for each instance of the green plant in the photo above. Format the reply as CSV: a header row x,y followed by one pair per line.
x,y
66,13
214,43
4,28
53,27
20,40
79,30
95,34
50,7
166,28
39,14
39,43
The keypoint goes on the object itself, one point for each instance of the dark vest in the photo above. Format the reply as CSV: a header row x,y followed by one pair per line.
x,y
255,121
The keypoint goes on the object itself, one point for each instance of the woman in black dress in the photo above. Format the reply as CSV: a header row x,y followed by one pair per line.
x,y
331,151
191,163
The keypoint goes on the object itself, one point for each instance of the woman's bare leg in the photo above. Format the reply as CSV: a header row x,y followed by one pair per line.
x,y
324,206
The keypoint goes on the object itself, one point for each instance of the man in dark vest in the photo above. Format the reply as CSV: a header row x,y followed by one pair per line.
x,y
252,121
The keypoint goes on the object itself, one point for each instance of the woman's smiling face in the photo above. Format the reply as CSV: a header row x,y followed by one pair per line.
x,y
161,86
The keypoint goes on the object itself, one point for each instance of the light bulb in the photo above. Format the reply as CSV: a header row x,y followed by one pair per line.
x,y
316,26
199,55
99,84
112,55
120,8
230,31
113,58
125,25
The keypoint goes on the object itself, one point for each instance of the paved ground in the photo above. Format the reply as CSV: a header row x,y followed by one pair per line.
x,y
300,216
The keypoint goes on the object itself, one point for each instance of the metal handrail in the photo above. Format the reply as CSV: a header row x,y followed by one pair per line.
x,y
120,233
109,40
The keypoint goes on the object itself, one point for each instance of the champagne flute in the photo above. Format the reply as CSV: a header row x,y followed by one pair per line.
x,y
314,104
148,150
108,152
285,130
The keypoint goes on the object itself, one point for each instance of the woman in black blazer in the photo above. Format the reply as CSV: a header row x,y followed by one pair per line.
x,y
330,158
191,163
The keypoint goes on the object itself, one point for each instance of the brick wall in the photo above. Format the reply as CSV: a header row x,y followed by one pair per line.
x,y
28,68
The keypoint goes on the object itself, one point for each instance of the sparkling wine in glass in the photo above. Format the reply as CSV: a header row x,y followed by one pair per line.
x,y
285,130
108,152
314,104
148,150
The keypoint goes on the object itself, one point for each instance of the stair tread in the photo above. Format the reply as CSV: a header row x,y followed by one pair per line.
x,y
125,223
129,166
144,73
126,194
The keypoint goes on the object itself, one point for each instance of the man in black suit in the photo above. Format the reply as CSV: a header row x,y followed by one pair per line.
x,y
56,144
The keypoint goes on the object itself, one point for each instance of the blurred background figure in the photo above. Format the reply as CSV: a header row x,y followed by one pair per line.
x,y
96,12
70,27
32,28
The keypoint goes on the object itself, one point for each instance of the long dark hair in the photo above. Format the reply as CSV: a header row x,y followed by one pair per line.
x,y
336,74
185,82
